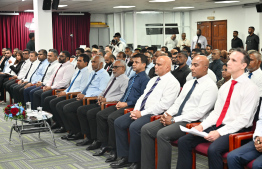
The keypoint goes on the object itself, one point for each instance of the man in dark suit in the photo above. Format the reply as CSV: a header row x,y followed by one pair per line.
x,y
109,59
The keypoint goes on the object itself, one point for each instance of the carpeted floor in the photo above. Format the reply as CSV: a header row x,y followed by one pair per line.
x,y
41,154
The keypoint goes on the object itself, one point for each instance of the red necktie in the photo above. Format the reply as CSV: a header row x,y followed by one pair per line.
x,y
226,105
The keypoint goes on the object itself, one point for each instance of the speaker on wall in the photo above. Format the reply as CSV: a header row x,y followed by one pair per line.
x,y
259,7
46,4
55,4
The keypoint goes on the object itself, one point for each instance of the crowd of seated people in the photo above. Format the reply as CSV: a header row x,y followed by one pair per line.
x,y
218,89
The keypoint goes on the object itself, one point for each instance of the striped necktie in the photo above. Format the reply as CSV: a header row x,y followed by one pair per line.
x,y
35,71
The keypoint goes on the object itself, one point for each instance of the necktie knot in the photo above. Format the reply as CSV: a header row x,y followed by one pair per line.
x,y
234,82
249,75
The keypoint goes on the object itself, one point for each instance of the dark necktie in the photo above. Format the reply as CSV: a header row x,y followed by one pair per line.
x,y
129,71
84,91
186,99
46,72
129,89
28,70
249,75
109,87
35,71
73,81
148,93
56,74
226,105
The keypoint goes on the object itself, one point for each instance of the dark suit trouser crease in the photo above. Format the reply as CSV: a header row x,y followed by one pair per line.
x,y
132,150
87,118
18,96
164,135
51,103
7,85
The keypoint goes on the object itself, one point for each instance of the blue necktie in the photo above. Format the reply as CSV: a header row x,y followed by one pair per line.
x,y
148,93
35,71
73,81
129,89
84,91
249,75
186,99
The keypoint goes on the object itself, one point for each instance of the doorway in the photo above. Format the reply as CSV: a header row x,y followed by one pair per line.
x,y
215,32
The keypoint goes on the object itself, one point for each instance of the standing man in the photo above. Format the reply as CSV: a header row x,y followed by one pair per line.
x,y
252,41
31,43
183,42
171,42
217,64
199,39
118,45
159,95
236,42
234,112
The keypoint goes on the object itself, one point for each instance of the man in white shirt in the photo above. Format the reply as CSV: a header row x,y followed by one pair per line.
x,y
78,52
150,63
118,45
171,42
159,95
234,111
209,53
199,39
8,61
183,42
254,72
196,99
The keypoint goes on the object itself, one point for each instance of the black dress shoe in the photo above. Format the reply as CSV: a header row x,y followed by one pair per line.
x,y
55,126
66,136
135,166
101,151
76,136
84,142
122,162
94,145
61,130
112,157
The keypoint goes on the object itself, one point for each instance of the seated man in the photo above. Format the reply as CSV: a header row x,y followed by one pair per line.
x,y
67,109
217,64
159,95
113,92
229,115
240,157
151,73
195,100
105,118
109,60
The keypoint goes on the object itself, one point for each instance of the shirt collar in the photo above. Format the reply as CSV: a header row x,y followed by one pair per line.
x,y
141,73
183,68
100,71
54,62
202,79
165,76
256,71
241,78
84,69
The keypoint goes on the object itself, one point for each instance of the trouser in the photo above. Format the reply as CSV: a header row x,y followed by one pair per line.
x,y
7,85
18,96
53,101
3,79
39,97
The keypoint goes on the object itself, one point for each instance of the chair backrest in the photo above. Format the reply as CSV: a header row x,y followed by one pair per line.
x,y
256,115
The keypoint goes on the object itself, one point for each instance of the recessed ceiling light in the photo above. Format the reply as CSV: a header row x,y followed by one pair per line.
x,y
29,10
225,2
184,7
124,6
162,1
61,6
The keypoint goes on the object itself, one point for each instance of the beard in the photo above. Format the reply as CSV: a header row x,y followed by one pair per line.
x,y
130,63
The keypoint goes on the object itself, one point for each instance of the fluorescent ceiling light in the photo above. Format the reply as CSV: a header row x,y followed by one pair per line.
x,y
9,13
225,2
71,14
124,6
144,12
29,10
161,0
61,6
184,7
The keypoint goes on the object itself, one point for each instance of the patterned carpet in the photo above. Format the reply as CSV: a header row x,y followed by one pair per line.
x,y
41,154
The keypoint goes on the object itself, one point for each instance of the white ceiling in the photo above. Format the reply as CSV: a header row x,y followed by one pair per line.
x,y
106,6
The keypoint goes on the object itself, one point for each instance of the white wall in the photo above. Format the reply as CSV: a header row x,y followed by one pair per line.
x,y
238,18
98,18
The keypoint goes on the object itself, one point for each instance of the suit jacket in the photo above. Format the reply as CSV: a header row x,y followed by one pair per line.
x,y
110,70
17,68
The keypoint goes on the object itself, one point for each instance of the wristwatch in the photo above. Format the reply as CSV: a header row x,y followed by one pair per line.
x,y
173,120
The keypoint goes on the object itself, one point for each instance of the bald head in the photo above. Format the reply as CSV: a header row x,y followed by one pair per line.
x,y
199,66
163,65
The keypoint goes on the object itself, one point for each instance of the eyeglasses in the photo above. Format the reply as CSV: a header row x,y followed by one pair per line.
x,y
175,53
115,67
224,70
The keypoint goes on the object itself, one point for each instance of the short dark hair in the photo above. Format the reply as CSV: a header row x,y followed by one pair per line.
x,y
152,48
196,50
109,46
129,48
142,57
67,54
95,46
187,49
102,51
34,52
138,49
209,46
151,54
85,57
165,48
252,27
26,50
112,57
246,58
31,35
169,54
124,55
54,51
199,30
101,47
184,53
44,52
8,49
89,53
199,45
236,32
81,50
225,64
177,48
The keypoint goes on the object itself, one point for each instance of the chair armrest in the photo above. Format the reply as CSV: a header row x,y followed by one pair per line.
x,y
56,91
107,104
190,125
239,138
9,78
86,100
128,110
153,118
232,140
71,95
17,80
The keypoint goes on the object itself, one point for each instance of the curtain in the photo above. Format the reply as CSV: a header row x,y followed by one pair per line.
x,y
78,26
13,32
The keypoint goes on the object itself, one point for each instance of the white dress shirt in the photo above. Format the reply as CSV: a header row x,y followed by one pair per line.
x,y
170,44
200,103
242,108
182,42
74,62
63,76
7,64
210,58
257,79
53,67
119,47
210,73
202,40
162,97
24,69
148,67
32,70
258,131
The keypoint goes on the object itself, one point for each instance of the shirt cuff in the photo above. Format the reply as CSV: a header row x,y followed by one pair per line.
x,y
144,112
178,118
222,131
205,125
